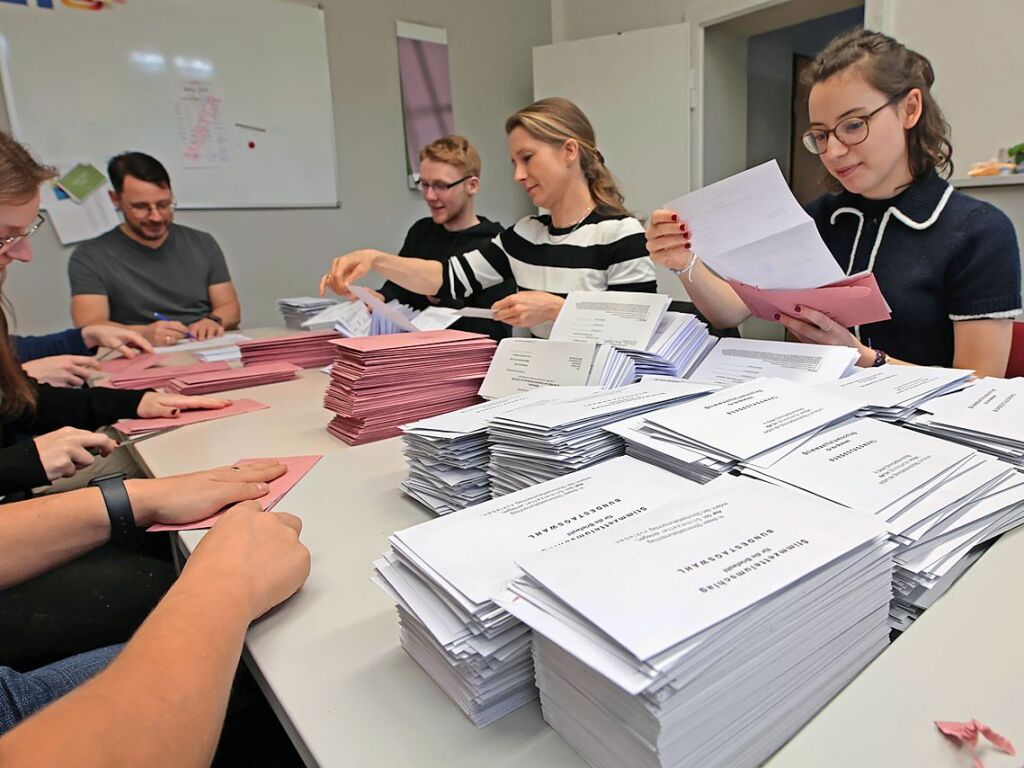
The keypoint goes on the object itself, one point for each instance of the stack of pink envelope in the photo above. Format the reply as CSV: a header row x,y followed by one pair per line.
x,y
379,383
304,349
159,376
233,378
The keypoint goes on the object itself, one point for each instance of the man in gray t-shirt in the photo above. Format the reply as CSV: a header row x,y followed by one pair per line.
x,y
160,278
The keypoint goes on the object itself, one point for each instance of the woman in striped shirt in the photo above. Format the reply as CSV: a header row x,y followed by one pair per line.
x,y
588,242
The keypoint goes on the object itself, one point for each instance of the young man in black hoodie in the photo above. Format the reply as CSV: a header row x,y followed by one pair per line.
x,y
449,181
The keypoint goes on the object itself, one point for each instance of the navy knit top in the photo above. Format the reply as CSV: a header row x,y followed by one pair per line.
x,y
939,256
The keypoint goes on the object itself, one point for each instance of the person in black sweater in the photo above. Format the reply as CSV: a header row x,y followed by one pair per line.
x,y
45,433
449,180
67,358
948,264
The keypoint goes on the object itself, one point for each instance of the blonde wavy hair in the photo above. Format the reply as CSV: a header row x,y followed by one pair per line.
x,y
556,121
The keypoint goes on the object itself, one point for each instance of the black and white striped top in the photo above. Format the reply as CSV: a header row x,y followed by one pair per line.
x,y
604,253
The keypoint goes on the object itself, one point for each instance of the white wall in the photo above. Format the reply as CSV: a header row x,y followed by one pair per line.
x,y
975,49
275,253
725,93
580,19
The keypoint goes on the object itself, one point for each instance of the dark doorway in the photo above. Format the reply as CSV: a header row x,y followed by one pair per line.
x,y
806,173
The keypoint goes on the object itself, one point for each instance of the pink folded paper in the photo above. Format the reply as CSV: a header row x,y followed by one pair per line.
x,y
201,383
967,733
850,302
298,466
120,366
141,426
159,376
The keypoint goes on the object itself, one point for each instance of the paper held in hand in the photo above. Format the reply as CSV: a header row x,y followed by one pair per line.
x,y
751,230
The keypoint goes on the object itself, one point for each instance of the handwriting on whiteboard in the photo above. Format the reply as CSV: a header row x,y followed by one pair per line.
x,y
202,127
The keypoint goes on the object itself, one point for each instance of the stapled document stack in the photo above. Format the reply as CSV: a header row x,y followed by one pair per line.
x,y
678,343
988,416
655,448
937,499
896,392
299,309
538,442
736,361
523,364
447,455
232,378
379,383
306,350
638,325
750,424
705,631
349,318
444,574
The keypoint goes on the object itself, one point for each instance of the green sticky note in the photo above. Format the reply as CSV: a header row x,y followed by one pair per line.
x,y
81,181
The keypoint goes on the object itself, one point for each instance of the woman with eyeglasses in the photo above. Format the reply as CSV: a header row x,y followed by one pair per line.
x,y
948,264
588,242
45,432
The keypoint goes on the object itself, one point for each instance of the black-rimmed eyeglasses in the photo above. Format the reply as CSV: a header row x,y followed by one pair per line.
x,y
850,131
6,242
440,186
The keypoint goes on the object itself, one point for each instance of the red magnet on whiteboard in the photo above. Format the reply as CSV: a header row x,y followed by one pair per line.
x,y
252,145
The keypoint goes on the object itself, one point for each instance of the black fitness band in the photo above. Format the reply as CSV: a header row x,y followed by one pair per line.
x,y
119,506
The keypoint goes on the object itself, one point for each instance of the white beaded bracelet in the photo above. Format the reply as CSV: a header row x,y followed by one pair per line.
x,y
687,270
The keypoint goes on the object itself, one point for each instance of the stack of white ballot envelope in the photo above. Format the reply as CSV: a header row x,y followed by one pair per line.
x,y
540,441
988,415
447,455
659,342
937,499
752,423
735,361
444,575
520,365
296,311
705,631
655,449
349,318
384,318
896,392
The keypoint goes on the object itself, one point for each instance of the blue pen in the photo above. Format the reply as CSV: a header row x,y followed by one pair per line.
x,y
166,319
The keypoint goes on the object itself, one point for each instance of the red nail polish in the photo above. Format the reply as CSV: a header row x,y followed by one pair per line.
x,y
174,412
798,308
682,227
686,245
674,217
778,316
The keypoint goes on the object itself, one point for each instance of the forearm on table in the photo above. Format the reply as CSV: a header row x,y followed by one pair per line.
x,y
42,533
161,703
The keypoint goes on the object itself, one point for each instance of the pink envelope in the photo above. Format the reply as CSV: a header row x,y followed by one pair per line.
x,y
856,300
140,426
298,466
152,377
124,365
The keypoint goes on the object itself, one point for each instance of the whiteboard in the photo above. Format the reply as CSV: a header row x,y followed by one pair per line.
x,y
232,96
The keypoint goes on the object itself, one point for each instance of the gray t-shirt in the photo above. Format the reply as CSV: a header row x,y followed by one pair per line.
x,y
138,281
